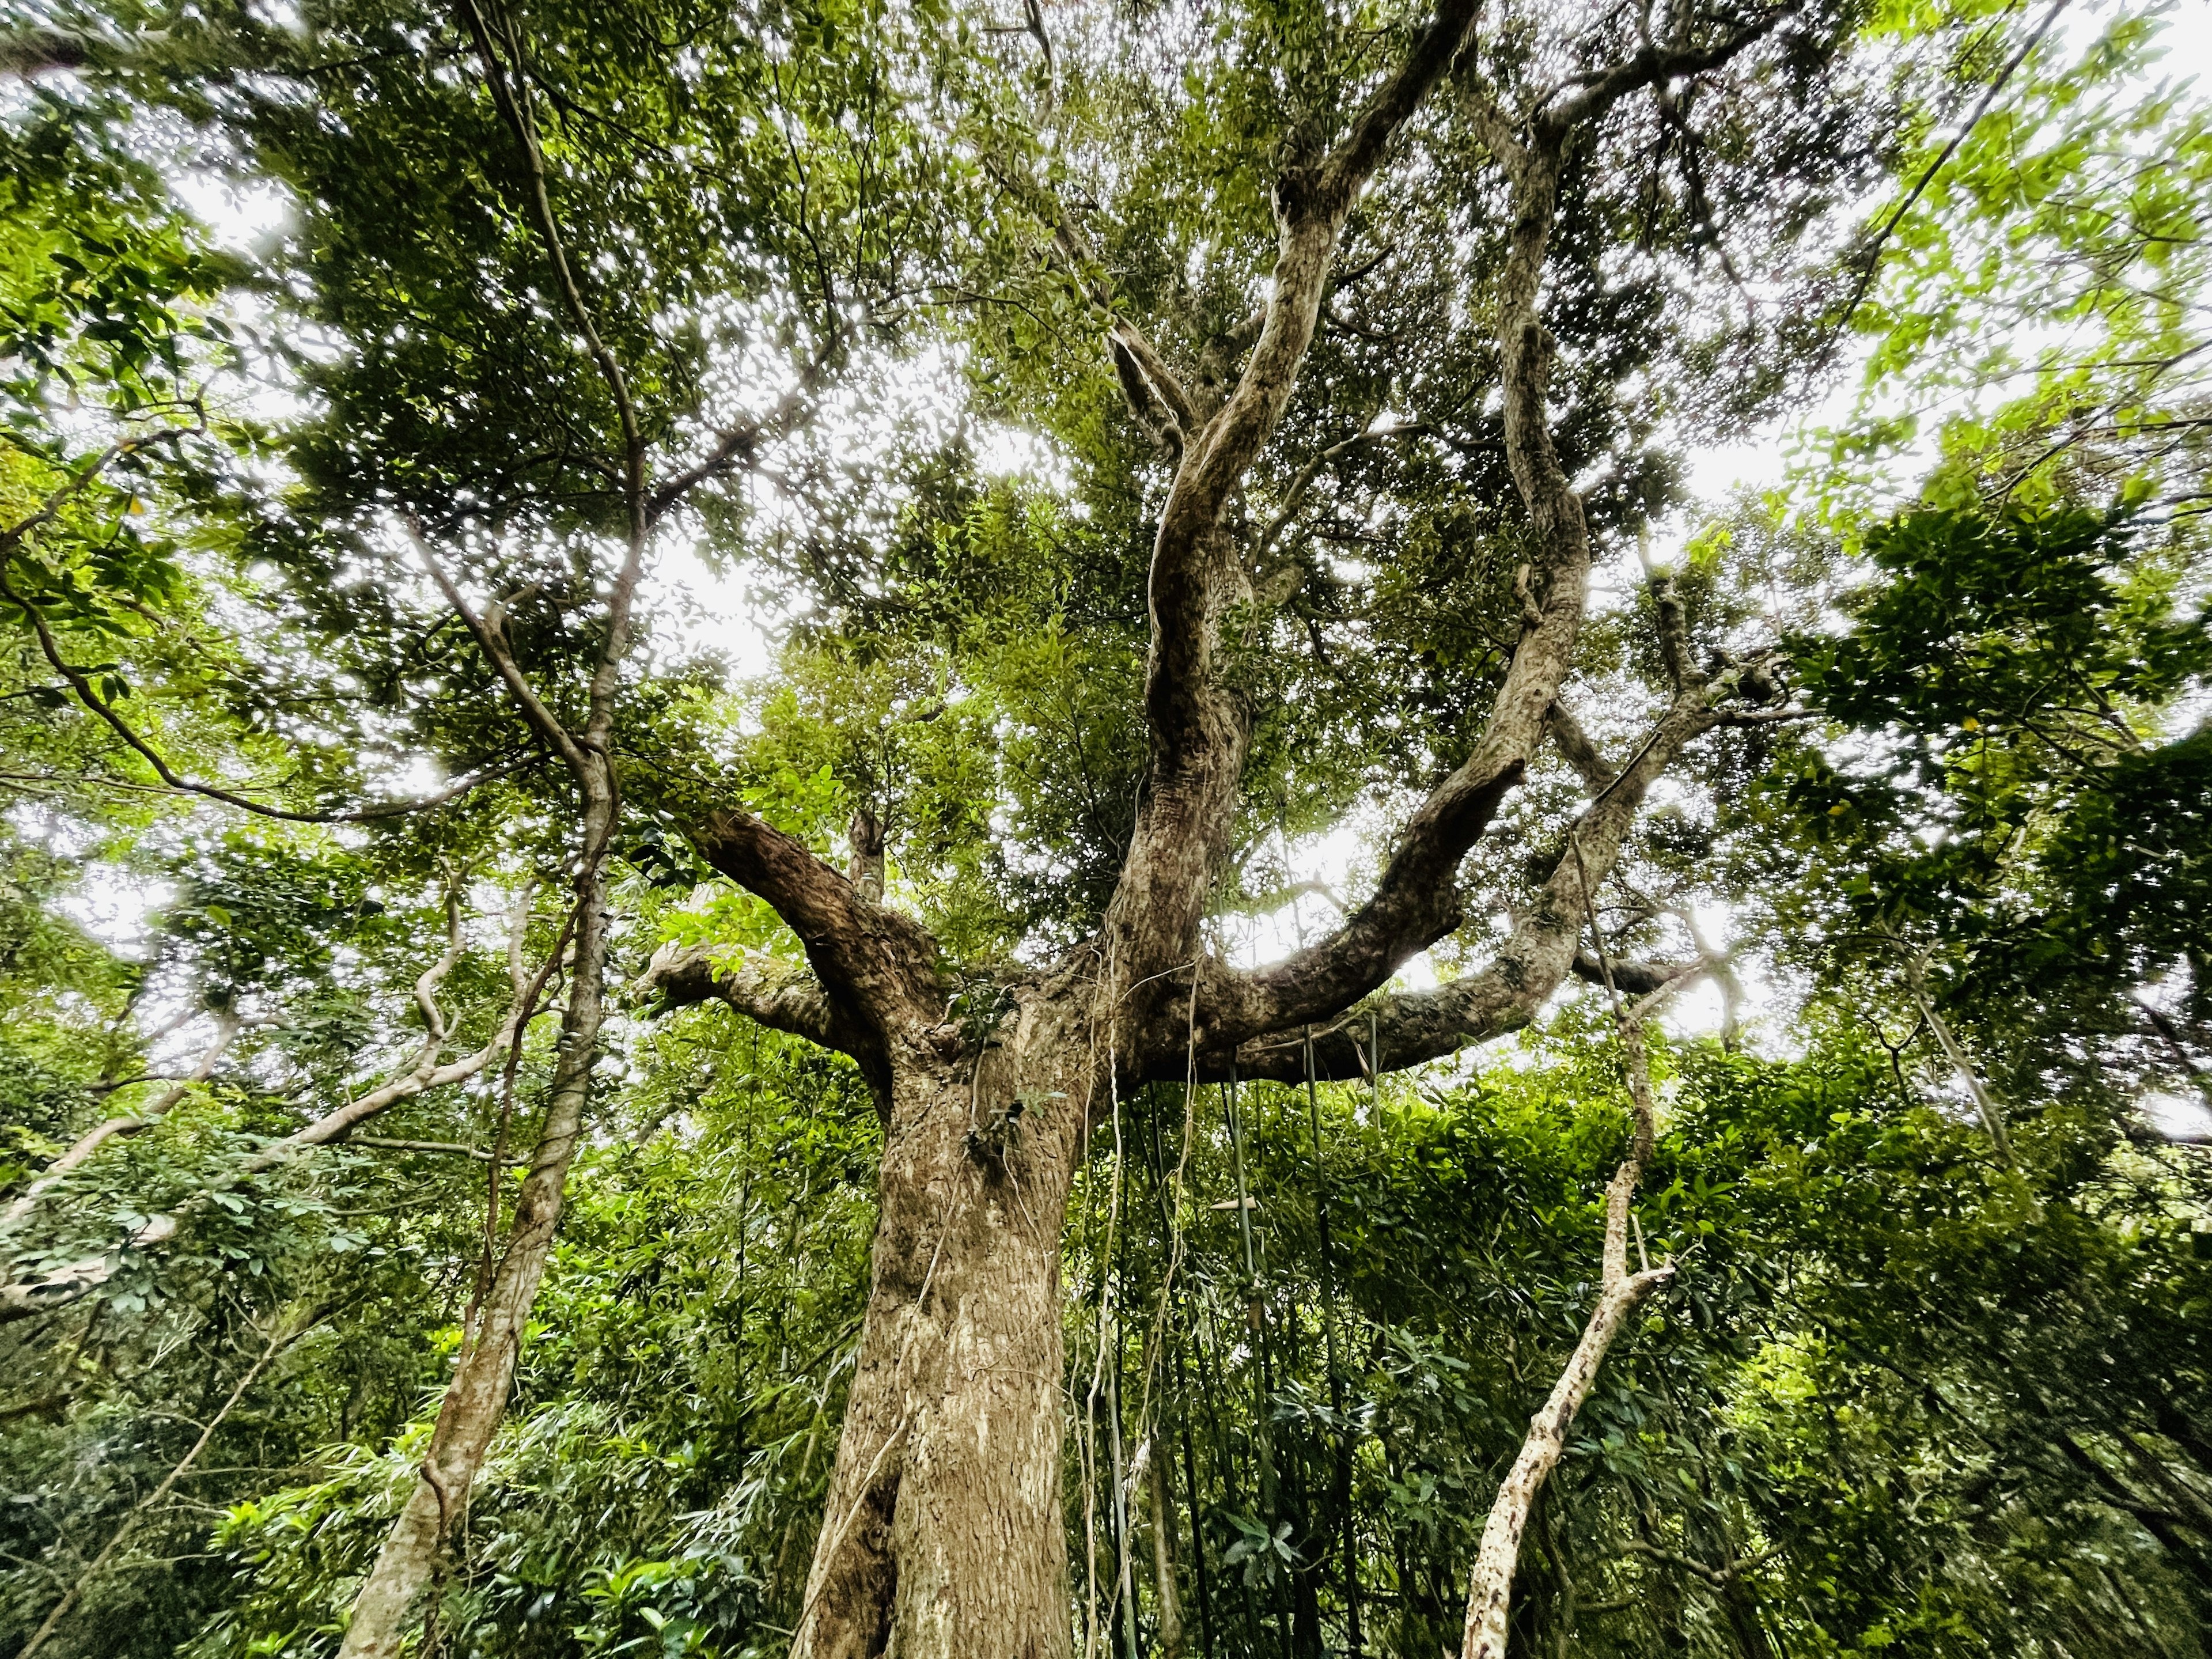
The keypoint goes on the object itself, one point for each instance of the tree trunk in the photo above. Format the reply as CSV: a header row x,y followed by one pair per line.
x,y
943,1534
1172,1635
476,1399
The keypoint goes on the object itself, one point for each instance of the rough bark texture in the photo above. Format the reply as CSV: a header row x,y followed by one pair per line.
x,y
943,1530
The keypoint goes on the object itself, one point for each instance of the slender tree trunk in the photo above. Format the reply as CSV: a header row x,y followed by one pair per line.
x,y
476,1399
1172,1635
1489,1597
943,1534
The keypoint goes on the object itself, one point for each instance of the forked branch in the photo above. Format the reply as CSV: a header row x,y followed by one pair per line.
x,y
873,964
1535,959
780,995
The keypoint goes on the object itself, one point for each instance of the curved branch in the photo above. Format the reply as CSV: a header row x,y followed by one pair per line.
x,y
1542,951
874,964
778,994
80,683
228,1026
1199,728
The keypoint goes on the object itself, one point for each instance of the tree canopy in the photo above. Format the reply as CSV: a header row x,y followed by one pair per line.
x,y
838,830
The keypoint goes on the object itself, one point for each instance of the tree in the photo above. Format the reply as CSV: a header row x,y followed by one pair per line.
x,y
942,1530
1361,337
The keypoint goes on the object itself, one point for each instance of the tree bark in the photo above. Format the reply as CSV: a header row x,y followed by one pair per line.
x,y
943,1532
1489,1598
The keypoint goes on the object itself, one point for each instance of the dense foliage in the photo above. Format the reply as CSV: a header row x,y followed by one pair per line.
x,y
282,325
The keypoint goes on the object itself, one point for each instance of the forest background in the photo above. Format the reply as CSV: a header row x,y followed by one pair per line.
x,y
452,456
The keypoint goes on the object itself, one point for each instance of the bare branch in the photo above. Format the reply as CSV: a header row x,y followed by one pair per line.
x,y
1199,728
277,1344
736,446
542,720
1294,497
1576,748
1870,258
1598,91
1490,1594
454,1147
780,996
513,104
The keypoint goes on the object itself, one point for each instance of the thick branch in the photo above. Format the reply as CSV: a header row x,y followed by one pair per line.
x,y
1590,95
1418,900
1490,1596
1146,380
873,964
1199,728
780,996
1640,979
1534,961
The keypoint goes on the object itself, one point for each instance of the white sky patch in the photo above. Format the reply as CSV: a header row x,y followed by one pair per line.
x,y
113,910
1764,460
698,606
240,217
2178,1117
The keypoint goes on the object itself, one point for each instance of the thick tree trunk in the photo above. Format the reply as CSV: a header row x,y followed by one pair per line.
x,y
943,1534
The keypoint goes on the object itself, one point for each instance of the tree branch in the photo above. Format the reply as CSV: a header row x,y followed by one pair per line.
x,y
277,1344
1199,728
1490,1592
1576,748
80,683
874,965
778,994
227,1025
513,104
1418,1027
1595,93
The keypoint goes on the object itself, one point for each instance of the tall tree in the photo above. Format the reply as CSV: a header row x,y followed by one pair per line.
x,y
1348,345
942,1531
